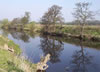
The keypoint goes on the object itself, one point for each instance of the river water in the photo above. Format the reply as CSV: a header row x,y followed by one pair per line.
x,y
66,55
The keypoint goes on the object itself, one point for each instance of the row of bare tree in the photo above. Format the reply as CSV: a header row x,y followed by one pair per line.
x,y
53,17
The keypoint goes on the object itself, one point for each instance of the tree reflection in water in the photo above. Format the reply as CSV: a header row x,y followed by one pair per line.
x,y
53,47
81,59
19,35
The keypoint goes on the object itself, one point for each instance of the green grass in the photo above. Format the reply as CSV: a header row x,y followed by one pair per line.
x,y
2,41
11,44
6,62
88,30
10,62
33,27
16,48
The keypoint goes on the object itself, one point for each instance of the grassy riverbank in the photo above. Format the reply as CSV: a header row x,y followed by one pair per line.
x,y
10,61
91,32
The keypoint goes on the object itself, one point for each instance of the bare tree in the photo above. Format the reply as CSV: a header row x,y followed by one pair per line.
x,y
52,17
16,21
26,18
82,14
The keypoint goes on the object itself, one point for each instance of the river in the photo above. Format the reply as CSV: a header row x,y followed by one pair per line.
x,y
66,56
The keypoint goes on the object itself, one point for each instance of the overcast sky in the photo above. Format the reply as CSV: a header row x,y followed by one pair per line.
x,y
15,8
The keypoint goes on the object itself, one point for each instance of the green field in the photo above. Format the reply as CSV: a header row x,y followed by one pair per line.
x,y
88,30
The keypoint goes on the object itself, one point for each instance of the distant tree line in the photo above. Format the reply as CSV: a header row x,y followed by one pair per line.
x,y
91,22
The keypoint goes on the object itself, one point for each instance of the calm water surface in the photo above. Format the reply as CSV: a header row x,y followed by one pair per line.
x,y
65,57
